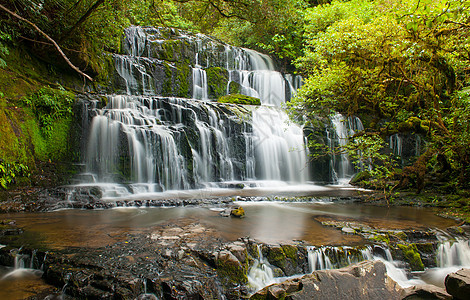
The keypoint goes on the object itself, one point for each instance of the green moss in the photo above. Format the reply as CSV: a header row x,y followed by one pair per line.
x,y
182,80
277,257
217,80
412,257
166,91
382,238
231,272
425,247
360,177
239,99
290,251
238,212
234,87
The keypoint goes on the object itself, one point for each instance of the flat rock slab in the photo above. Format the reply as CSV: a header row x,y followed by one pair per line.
x,y
425,291
458,284
365,280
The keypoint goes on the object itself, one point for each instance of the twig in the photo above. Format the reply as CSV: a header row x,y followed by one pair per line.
x,y
49,39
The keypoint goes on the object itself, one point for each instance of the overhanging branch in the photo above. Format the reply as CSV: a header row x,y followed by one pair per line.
x,y
49,39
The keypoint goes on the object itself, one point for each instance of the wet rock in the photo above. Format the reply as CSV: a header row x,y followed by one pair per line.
x,y
365,280
238,212
238,249
425,292
226,213
458,284
348,230
230,269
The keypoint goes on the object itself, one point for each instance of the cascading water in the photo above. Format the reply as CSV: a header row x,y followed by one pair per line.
x,y
344,128
261,273
152,143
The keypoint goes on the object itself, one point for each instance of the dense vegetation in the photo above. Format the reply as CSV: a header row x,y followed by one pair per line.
x,y
402,66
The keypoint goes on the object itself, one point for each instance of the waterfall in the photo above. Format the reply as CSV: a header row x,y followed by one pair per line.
x,y
24,265
453,254
323,258
261,273
171,143
279,144
143,141
344,128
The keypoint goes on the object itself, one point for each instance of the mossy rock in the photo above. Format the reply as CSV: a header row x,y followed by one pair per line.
x,y
234,88
239,99
290,251
217,80
230,269
238,212
412,256
360,177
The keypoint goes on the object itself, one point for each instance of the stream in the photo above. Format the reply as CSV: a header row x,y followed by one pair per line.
x,y
266,221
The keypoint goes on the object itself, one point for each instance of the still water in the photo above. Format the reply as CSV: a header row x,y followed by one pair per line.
x,y
265,221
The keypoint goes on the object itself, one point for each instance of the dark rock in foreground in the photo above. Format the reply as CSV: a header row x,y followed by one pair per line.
x,y
458,284
425,292
365,280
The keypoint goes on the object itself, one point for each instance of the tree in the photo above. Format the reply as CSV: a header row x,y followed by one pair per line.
x,y
399,64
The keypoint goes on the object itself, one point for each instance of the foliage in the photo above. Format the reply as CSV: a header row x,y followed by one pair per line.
x,y
404,64
3,48
369,152
50,105
239,99
9,172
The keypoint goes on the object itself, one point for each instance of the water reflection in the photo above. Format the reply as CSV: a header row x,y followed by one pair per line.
x,y
266,221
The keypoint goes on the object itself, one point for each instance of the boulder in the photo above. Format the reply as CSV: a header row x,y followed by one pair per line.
x,y
458,284
425,291
365,280
238,212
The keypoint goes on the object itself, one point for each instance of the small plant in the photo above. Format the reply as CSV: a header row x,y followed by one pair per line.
x,y
50,105
368,153
9,172
3,48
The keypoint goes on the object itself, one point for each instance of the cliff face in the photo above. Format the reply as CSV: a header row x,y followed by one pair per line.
x,y
36,120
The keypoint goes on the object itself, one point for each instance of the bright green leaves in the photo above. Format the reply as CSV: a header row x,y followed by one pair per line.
x,y
401,65
50,105
10,172
4,37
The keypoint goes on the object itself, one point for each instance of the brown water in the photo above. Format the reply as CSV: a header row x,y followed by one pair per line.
x,y
265,221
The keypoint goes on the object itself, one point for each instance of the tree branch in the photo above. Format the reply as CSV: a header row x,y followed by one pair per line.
x,y
82,19
49,39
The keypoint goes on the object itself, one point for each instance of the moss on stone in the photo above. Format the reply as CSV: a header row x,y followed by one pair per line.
x,y
231,272
277,257
234,87
425,247
182,80
217,80
290,251
382,238
167,84
360,177
412,256
238,212
239,99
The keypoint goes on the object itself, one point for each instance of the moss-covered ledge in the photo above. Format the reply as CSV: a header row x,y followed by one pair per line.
x,y
239,99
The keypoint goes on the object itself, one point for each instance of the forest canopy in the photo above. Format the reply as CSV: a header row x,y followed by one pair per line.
x,y
403,67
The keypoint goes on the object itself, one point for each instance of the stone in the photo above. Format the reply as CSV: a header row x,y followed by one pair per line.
x,y
425,291
238,212
458,284
365,280
238,250
348,230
